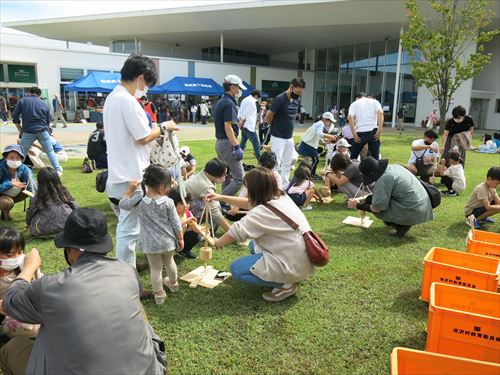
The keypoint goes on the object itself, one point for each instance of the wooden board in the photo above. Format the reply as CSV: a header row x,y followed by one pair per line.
x,y
206,279
210,239
325,200
356,221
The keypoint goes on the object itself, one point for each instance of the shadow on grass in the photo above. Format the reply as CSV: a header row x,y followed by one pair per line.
x,y
371,237
458,229
414,342
408,303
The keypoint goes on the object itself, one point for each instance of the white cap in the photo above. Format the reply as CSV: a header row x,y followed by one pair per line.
x,y
233,79
328,116
184,150
342,142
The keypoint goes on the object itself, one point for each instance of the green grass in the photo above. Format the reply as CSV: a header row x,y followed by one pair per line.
x,y
345,319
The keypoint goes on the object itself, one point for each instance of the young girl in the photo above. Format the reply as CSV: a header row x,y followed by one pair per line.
x,y
453,176
302,190
161,229
51,206
11,263
188,221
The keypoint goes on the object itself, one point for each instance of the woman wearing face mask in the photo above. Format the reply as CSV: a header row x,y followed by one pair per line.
x,y
16,180
202,184
345,174
458,124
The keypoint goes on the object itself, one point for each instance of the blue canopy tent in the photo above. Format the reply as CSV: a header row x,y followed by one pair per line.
x,y
189,86
250,88
95,82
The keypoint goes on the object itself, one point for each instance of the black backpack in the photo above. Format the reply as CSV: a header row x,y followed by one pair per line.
x,y
433,193
100,181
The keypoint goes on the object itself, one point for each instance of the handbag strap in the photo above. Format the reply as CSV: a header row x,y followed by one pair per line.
x,y
285,218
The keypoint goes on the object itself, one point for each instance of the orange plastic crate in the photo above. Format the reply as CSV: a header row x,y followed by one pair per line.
x,y
464,322
415,362
483,243
458,268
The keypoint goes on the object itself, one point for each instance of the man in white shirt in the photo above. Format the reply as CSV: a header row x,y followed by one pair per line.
x,y
204,112
247,117
128,139
366,119
423,155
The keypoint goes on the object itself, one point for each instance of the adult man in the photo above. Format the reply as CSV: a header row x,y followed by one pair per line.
x,y
398,199
96,147
366,119
58,112
36,121
176,107
423,155
247,117
226,131
128,138
91,316
281,116
3,110
204,112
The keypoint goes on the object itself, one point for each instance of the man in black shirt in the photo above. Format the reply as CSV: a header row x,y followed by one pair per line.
x,y
281,116
96,147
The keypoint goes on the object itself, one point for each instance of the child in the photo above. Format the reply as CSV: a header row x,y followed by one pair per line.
x,y
302,190
11,263
489,146
484,201
191,234
161,229
51,206
453,176
190,161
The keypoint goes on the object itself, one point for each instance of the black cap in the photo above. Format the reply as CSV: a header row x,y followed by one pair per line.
x,y
372,169
86,229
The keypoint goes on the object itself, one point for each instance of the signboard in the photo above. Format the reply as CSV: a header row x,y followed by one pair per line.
x,y
21,73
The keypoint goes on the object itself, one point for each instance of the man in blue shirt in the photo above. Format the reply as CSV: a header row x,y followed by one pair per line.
x,y
281,116
226,131
35,124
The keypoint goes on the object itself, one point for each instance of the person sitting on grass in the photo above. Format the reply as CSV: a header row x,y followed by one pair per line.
x,y
423,155
51,206
190,230
15,179
453,176
484,202
345,174
190,161
281,261
489,146
302,189
398,198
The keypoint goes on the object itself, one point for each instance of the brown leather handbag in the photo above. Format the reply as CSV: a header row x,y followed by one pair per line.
x,y
316,249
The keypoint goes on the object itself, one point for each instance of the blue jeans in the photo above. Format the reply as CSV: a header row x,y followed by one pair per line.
x,y
240,269
128,227
43,138
253,137
366,138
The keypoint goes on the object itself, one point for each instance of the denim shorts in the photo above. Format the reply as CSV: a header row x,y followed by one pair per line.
x,y
298,198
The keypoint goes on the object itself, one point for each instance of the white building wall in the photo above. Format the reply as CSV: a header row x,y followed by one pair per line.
x,y
170,68
217,71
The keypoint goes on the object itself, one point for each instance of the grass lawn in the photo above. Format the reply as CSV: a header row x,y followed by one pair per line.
x,y
345,319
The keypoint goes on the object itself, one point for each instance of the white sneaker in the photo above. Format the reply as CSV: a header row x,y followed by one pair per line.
x,y
308,208
160,297
279,294
5,122
59,173
172,287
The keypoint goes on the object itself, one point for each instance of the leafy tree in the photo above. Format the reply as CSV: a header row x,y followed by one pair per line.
x,y
438,45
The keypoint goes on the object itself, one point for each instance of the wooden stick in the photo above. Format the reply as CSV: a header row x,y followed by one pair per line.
x,y
206,224
471,224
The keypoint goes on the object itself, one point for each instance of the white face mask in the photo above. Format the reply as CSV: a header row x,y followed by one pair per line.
x,y
219,180
140,93
238,95
10,264
14,164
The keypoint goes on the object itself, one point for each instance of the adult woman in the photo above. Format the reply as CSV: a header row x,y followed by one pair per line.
x,y
459,123
345,174
278,256
16,180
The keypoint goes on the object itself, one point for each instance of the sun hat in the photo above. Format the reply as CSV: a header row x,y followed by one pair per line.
x,y
372,169
342,142
184,150
328,116
233,79
86,229
13,148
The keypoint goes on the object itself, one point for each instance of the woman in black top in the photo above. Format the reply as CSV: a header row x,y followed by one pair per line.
x,y
457,124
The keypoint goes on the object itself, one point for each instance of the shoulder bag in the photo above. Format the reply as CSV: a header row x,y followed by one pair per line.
x,y
316,249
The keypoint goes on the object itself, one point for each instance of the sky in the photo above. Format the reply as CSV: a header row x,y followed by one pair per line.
x,y
19,10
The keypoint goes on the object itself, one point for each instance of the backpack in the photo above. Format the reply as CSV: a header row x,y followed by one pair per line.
x,y
100,181
87,166
433,193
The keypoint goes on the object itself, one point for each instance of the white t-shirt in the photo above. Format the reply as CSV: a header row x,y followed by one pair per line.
x,y
248,111
365,110
312,135
125,123
456,173
427,153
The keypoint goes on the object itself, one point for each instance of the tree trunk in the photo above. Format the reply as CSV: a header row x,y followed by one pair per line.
x,y
442,115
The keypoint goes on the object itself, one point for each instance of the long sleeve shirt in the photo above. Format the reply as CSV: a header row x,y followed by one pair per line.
x,y
248,112
35,114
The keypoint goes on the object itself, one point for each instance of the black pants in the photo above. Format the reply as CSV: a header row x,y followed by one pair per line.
x,y
315,162
264,136
191,239
366,138
447,181
203,120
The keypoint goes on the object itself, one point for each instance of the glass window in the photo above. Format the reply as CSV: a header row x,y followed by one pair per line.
x,y
376,70
331,79
388,94
346,69
361,68
70,75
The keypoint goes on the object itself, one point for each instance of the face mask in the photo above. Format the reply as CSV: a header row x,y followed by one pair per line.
x,y
140,93
294,95
14,164
238,95
10,264
219,180
428,143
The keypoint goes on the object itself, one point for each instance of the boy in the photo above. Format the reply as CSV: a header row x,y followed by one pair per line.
x,y
484,201
453,177
190,161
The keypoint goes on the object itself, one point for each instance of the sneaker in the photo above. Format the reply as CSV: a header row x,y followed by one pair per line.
x,y
476,224
401,230
160,297
53,126
449,193
279,294
488,220
188,254
308,208
172,287
65,126
5,122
